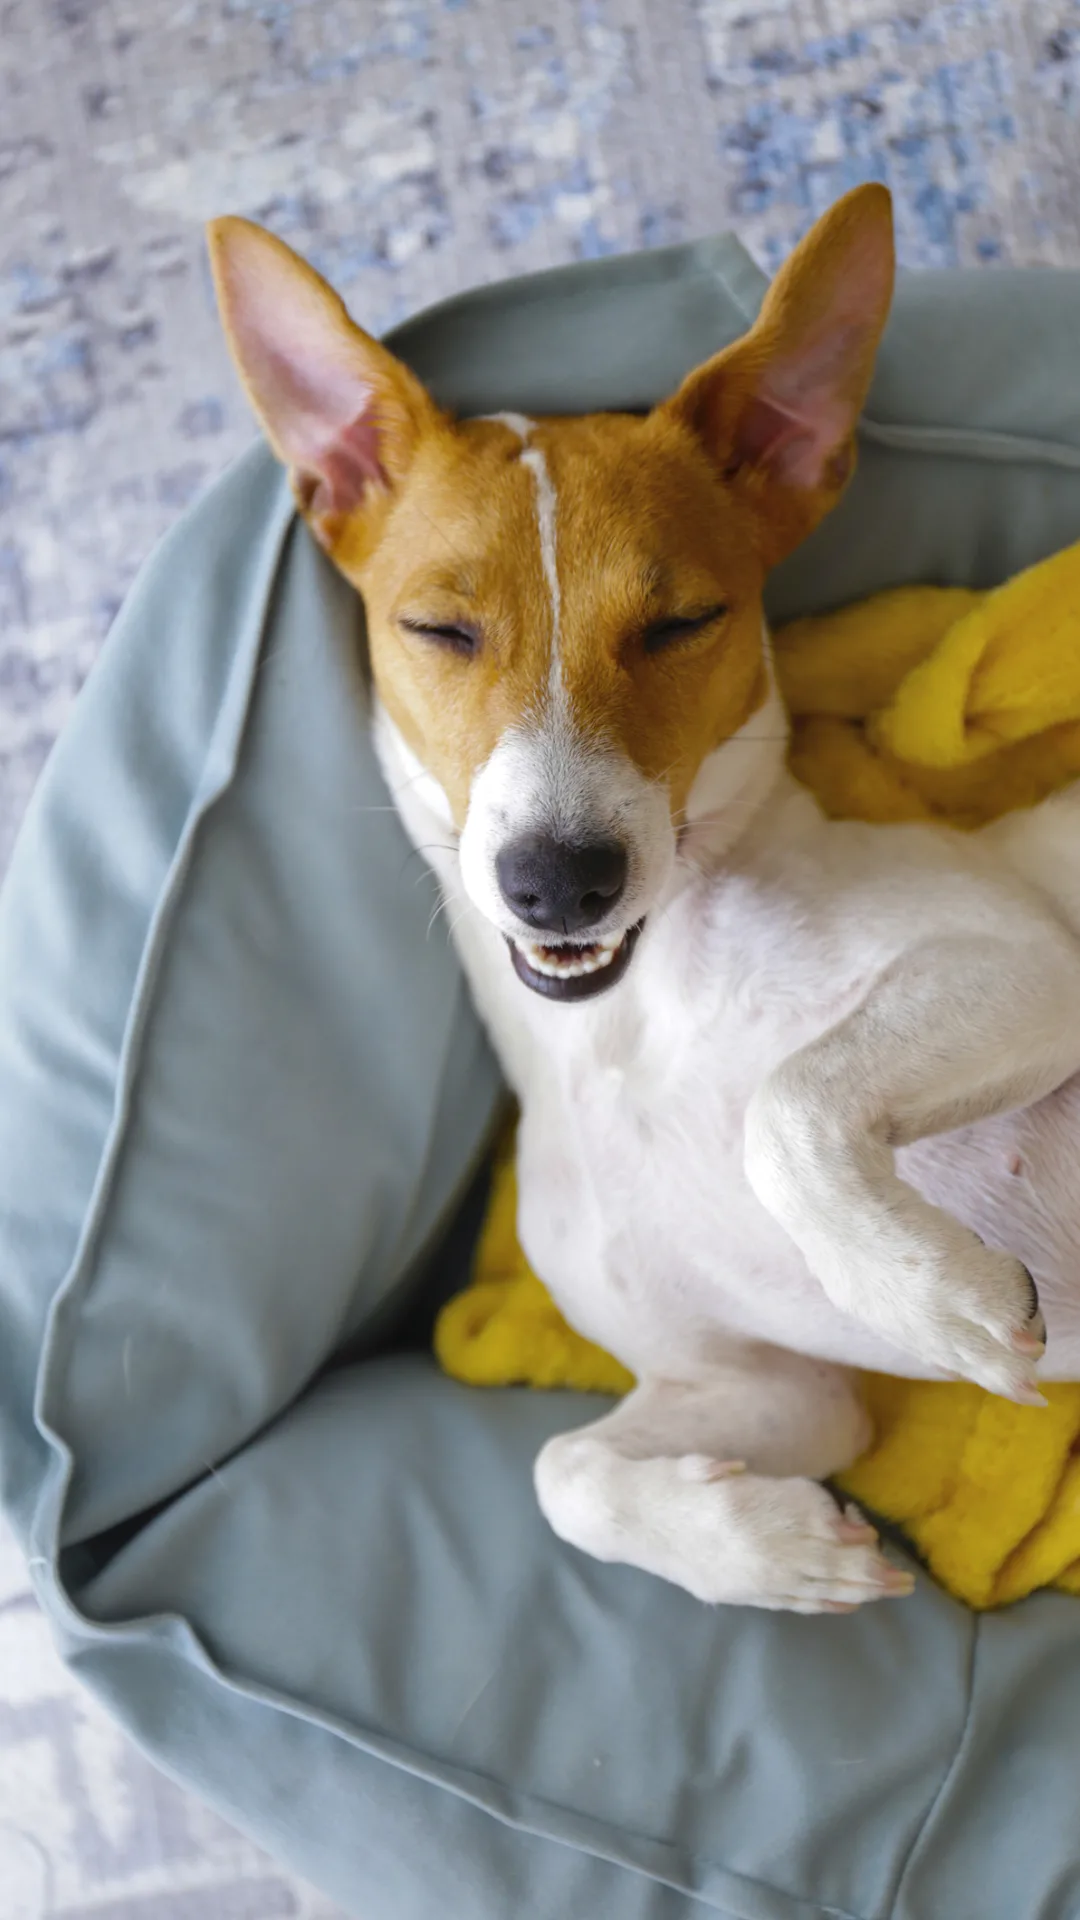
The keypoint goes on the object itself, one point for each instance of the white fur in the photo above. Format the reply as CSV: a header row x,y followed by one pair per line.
x,y
410,772
546,509
543,777
733,1166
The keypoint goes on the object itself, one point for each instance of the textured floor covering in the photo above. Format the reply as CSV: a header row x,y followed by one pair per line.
x,y
410,147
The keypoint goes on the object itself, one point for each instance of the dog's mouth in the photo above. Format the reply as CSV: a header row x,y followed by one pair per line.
x,y
574,972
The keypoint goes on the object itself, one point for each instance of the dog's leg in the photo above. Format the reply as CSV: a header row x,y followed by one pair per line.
x,y
955,1031
711,1484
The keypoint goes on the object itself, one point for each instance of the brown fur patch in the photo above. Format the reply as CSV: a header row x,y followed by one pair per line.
x,y
644,529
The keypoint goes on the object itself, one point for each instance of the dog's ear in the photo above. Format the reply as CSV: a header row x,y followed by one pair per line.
x,y
777,410
342,413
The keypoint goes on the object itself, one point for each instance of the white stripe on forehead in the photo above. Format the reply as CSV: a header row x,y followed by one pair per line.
x,y
545,515
532,458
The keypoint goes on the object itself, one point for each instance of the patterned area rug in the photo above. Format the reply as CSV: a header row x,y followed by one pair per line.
x,y
410,148
88,1829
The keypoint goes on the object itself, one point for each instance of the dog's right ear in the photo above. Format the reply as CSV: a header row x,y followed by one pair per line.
x,y
342,413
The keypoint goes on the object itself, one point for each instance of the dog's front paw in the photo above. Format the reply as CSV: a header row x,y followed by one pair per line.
x,y
962,1308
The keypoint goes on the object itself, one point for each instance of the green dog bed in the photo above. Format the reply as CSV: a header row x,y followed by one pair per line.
x,y
244,1108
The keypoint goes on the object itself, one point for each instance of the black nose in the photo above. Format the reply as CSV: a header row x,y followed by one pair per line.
x,y
558,888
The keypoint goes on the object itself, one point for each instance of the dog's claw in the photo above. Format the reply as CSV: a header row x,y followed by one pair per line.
x,y
980,1319
851,1526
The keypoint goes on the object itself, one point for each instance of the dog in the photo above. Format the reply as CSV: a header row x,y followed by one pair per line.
x,y
798,1097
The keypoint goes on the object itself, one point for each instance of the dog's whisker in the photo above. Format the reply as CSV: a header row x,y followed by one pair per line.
x,y
660,914
442,905
350,813
695,867
404,785
453,925
718,815
387,806
416,853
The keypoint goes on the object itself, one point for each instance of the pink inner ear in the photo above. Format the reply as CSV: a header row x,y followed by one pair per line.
x,y
802,416
769,436
324,416
348,464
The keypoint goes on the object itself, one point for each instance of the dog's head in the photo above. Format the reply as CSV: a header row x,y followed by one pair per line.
x,y
565,614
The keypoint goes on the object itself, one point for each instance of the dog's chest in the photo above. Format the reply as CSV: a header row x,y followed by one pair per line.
x,y
635,1208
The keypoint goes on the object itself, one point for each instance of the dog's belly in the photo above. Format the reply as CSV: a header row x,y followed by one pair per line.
x,y
641,1222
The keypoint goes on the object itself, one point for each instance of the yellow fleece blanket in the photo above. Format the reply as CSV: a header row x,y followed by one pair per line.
x,y
923,703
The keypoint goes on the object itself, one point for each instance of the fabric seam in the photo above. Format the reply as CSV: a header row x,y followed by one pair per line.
x,y
947,1776
427,1768
205,793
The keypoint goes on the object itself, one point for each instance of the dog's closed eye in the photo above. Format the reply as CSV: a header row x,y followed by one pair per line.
x,y
455,636
680,626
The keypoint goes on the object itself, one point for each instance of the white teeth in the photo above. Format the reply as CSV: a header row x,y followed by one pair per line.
x,y
568,962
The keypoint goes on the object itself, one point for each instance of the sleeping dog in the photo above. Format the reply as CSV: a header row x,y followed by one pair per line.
x,y
798,1097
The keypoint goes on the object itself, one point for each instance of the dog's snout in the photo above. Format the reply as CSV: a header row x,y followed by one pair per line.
x,y
559,888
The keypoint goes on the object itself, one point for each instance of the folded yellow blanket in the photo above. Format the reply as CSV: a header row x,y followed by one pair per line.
x,y
923,703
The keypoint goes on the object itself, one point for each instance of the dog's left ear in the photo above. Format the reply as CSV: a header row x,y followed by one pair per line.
x,y
777,410
337,407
